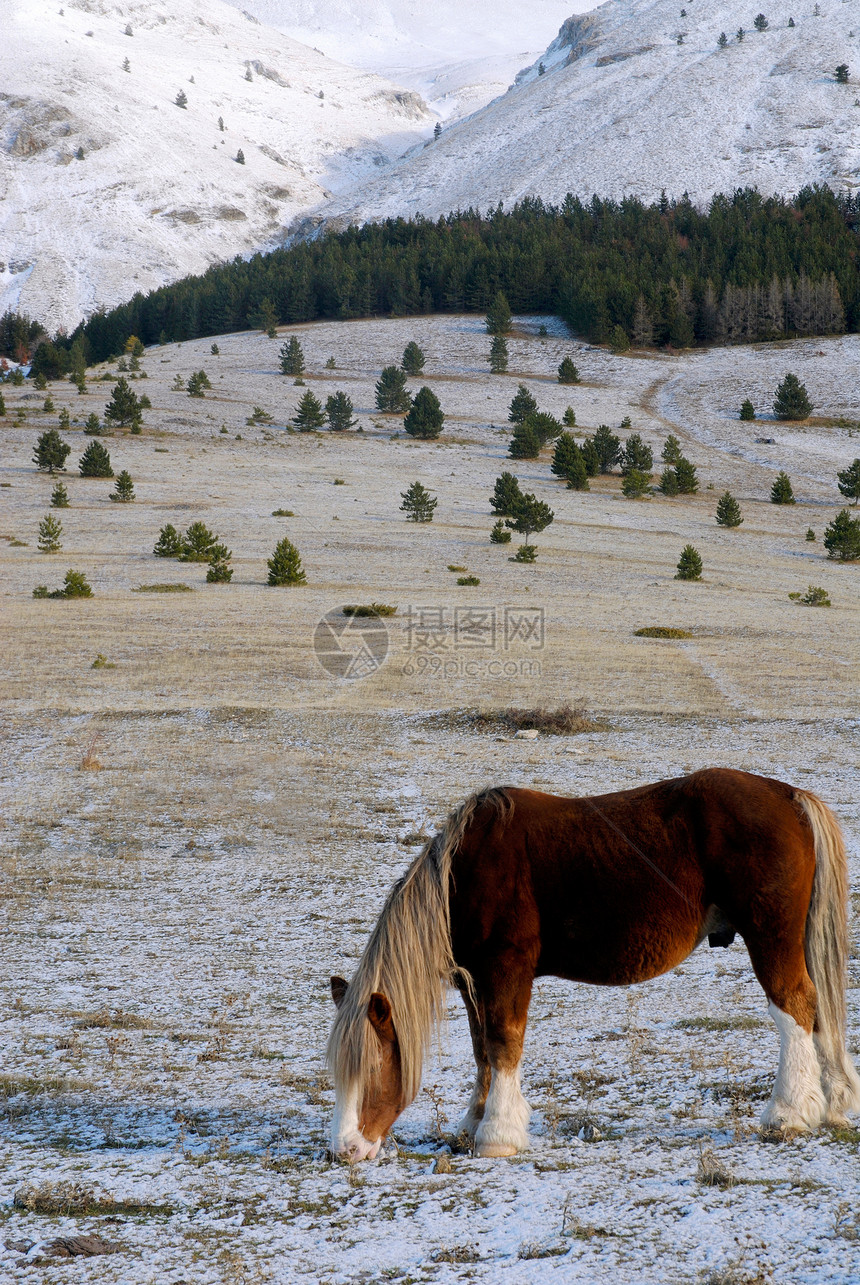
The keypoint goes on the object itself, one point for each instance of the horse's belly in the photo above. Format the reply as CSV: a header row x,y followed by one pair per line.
x,y
609,955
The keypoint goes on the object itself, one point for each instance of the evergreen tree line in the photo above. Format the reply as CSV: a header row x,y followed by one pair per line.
x,y
748,267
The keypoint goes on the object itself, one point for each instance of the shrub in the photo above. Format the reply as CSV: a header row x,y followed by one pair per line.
x,y
849,481
781,492
810,535
689,564
842,537
285,565
425,417
76,585
392,395
728,511
309,413
468,580
59,497
500,534
123,492
522,405
292,358
51,452
413,359
169,543
747,411
283,513
792,400
50,531
525,553
506,495
339,410
815,596
567,372
418,504
163,588
370,610
95,461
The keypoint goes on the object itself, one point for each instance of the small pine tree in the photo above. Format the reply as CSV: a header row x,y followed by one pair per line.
x,y
577,476
669,481
500,534
76,585
532,517
547,427
723,40
849,481
636,455
843,74
739,35
339,410
40,382
413,359
689,564
810,535
568,372
126,65
123,408
285,565
499,319
685,472
197,543
169,543
522,406
525,443
590,457
569,418
760,22
747,410
619,340
418,504
842,537
607,446
51,452
215,350
220,571
392,395
506,495
566,456
791,22
95,462
181,99
197,383
781,492
671,452
498,355
123,492
792,400
309,413
59,497
50,531
437,130
93,426
292,358
2,406
266,318
635,484
728,511
425,417
64,418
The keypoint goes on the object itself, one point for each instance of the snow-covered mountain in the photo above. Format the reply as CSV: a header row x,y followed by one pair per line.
x,y
108,187
458,55
638,96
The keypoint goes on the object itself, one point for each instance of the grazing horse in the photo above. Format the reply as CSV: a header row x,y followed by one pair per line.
x,y
612,890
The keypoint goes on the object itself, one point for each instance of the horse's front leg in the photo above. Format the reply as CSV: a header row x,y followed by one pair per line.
x,y
503,1130
475,1110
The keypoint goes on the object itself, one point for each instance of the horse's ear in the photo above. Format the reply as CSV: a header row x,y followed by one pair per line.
x,y
379,1014
338,990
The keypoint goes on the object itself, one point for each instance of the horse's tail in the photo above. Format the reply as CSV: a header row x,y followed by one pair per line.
x,y
409,958
827,948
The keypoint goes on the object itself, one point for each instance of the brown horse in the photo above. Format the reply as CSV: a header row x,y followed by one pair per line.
x,y
613,890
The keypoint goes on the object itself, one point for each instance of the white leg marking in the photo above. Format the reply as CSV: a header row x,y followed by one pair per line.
x,y
504,1128
346,1140
797,1102
840,1080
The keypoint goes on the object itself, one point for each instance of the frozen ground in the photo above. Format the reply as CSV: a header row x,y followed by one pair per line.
x,y
171,920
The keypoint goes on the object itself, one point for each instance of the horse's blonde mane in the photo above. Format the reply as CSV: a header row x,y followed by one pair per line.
x,y
409,958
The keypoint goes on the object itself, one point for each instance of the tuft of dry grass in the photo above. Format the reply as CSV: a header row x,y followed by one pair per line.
x,y
711,1171
370,609
89,760
163,588
661,631
565,720
105,1019
74,1198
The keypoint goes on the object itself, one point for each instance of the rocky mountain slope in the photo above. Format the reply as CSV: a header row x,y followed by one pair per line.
x,y
458,56
637,97
108,187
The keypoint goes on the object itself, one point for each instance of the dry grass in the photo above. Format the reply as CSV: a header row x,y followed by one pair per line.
x,y
565,720
369,609
661,631
116,1019
76,1199
163,588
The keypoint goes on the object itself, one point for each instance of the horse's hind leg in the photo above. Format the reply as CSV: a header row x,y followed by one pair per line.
x,y
503,1130
797,1102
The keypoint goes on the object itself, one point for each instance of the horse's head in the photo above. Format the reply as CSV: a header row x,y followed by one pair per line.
x,y
364,1115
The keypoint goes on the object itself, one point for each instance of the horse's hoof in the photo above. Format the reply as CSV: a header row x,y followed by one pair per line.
x,y
494,1150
